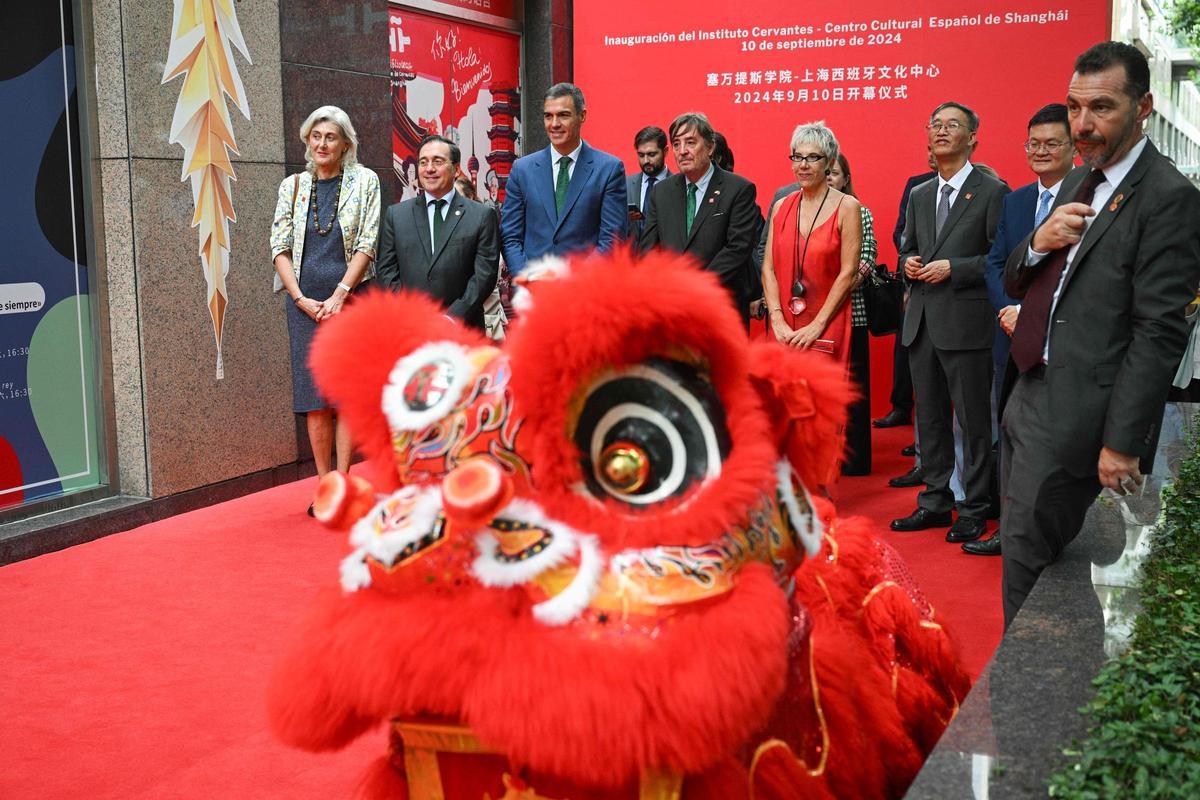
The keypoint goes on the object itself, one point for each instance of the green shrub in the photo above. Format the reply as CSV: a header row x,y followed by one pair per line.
x,y
1143,736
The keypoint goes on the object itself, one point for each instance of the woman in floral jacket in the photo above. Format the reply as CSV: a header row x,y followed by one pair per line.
x,y
323,243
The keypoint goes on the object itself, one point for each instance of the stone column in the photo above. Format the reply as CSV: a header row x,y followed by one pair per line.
x,y
177,426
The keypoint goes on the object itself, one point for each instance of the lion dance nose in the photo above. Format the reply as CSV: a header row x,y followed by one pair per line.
x,y
475,491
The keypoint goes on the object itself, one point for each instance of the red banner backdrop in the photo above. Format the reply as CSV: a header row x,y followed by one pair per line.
x,y
461,81
872,71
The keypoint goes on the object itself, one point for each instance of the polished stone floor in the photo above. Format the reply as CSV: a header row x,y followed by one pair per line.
x,y
1009,734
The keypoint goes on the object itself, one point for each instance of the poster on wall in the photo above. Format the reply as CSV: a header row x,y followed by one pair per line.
x,y
48,431
873,71
461,81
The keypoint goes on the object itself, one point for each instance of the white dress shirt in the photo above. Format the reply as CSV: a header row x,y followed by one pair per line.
x,y
662,175
701,185
1053,190
556,157
956,182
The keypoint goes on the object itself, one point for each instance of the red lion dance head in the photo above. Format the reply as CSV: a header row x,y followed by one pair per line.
x,y
586,574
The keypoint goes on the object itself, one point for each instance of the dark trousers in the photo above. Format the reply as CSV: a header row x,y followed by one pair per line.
x,y
958,383
858,424
902,382
1042,505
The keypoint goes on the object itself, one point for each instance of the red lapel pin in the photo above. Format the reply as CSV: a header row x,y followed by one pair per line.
x,y
1116,202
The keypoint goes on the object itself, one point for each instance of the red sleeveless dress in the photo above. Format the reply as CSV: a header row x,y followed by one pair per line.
x,y
822,263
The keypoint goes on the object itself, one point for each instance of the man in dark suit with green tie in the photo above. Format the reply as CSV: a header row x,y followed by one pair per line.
x,y
1103,284
704,211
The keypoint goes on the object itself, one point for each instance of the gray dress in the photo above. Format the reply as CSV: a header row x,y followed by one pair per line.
x,y
323,267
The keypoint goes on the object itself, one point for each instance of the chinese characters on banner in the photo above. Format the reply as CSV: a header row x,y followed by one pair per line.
x,y
873,71
460,81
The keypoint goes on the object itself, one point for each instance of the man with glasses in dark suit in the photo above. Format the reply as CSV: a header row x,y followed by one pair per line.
x,y
949,325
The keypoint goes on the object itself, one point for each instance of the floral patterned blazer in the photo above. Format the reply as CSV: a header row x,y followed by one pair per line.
x,y
358,213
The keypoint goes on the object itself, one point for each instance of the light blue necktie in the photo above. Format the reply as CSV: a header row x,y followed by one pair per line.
x,y
1043,207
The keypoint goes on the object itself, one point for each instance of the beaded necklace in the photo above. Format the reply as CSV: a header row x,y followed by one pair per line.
x,y
336,199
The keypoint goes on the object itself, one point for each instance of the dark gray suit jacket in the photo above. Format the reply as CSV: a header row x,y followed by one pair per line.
x,y
633,191
1118,331
462,272
956,311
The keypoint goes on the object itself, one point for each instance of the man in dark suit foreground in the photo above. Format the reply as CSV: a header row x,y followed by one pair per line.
x,y
441,243
704,211
1050,155
1103,284
567,198
949,324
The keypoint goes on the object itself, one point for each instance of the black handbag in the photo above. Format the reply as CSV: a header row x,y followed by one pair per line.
x,y
884,296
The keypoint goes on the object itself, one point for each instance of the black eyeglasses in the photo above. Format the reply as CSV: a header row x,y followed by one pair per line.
x,y
811,158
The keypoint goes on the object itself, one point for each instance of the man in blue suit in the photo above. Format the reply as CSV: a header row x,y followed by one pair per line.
x,y
568,198
1051,155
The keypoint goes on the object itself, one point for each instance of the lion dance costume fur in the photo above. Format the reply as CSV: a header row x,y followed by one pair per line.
x,y
588,565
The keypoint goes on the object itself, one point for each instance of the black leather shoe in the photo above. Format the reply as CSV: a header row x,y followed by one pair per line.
x,y
921,519
894,419
914,477
909,451
983,547
966,529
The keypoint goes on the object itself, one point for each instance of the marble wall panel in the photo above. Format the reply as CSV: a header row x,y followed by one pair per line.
x,y
365,98
202,430
147,39
109,60
124,336
343,34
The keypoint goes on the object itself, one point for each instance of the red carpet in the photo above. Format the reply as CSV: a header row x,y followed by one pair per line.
x,y
964,590
135,665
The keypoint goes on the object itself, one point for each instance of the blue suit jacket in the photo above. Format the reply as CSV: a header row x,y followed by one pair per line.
x,y
1016,222
594,215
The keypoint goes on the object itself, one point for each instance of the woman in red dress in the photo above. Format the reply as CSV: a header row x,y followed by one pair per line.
x,y
811,260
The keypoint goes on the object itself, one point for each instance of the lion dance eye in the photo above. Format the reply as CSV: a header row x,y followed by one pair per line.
x,y
650,432
426,384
